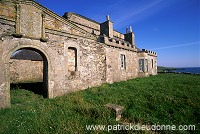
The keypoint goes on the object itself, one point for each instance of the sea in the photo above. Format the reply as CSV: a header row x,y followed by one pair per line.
x,y
193,70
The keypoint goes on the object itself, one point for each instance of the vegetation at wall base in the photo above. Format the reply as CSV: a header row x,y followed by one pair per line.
x,y
165,99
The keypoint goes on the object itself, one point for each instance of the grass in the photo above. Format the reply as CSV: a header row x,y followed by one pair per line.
x,y
165,99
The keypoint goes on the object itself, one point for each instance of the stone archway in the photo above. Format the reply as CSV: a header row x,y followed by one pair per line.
x,y
5,72
29,70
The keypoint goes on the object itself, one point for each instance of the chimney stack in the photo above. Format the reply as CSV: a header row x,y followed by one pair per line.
x,y
127,30
107,17
131,29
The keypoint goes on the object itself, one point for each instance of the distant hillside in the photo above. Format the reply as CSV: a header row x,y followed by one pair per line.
x,y
162,69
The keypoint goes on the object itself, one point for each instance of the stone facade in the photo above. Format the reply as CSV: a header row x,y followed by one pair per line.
x,y
77,52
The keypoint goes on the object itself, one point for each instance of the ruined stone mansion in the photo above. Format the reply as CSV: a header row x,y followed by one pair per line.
x,y
75,52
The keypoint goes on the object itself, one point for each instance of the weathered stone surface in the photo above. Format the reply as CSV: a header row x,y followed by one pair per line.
x,y
30,21
8,11
84,23
118,109
75,56
114,71
25,71
5,29
72,60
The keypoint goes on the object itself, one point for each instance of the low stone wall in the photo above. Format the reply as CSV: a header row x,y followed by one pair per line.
x,y
24,71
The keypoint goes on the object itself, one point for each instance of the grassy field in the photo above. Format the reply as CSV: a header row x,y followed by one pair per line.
x,y
165,99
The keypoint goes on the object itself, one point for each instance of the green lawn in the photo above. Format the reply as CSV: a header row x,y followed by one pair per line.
x,y
165,99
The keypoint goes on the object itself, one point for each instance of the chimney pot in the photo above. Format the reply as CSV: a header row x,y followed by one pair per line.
x,y
107,17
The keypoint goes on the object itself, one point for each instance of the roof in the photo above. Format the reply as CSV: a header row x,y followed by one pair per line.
x,y
66,13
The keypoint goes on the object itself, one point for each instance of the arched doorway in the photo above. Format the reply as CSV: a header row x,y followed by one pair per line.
x,y
29,70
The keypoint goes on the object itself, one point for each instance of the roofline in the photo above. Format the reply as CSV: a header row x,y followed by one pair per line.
x,y
117,31
82,17
53,14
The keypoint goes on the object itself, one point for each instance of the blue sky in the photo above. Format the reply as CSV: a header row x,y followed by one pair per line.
x,y
171,28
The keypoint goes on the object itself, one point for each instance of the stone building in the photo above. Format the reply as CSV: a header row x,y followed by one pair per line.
x,y
76,52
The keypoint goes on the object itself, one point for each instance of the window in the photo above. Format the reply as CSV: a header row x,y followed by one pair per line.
x,y
152,63
123,61
146,60
141,65
72,59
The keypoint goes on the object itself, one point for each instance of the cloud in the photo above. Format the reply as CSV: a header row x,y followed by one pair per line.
x,y
174,46
134,13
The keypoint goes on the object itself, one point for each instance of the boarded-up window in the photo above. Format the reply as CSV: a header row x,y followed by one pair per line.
x,y
72,59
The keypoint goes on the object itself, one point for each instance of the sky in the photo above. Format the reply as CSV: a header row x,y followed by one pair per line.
x,y
171,28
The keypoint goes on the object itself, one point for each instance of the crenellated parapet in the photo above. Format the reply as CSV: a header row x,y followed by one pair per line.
x,y
111,37
151,53
118,43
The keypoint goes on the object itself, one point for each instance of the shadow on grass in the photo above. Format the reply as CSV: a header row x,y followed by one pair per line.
x,y
36,88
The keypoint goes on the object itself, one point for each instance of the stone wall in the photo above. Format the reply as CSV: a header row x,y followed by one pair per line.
x,y
72,59
118,34
83,62
150,59
8,11
114,71
26,71
84,23
152,65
